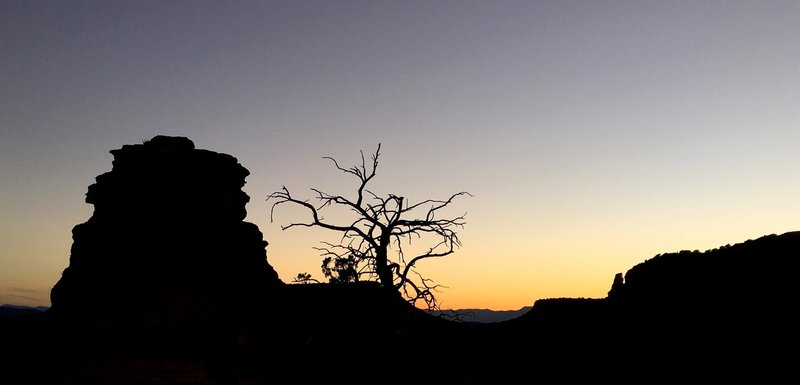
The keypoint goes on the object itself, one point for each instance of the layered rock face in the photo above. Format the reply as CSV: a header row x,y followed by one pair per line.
x,y
167,238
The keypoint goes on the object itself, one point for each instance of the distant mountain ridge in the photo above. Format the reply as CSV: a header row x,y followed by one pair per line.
x,y
481,315
7,310
460,315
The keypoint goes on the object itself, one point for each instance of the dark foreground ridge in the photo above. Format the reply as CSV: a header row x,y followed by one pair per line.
x,y
168,285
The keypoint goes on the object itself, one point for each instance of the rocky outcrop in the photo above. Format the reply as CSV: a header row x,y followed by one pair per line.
x,y
616,286
725,278
167,238
168,241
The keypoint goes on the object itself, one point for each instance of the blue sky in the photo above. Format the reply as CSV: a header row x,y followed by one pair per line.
x,y
593,134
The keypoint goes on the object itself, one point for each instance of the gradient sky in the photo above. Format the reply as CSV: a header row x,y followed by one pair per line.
x,y
593,134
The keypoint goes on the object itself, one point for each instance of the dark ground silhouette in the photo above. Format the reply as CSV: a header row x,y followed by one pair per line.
x,y
168,285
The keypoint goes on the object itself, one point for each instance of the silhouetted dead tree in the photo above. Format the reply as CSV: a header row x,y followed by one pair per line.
x,y
377,225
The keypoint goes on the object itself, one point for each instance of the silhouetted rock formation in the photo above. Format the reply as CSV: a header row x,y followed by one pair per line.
x,y
734,303
167,238
710,315
168,285
733,276
616,286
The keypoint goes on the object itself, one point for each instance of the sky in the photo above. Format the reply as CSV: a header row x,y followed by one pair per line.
x,y
592,134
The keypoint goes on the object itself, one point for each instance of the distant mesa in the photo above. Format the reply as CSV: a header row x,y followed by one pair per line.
x,y
728,278
167,237
745,286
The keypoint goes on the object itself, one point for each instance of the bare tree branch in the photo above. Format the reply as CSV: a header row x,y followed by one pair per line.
x,y
379,224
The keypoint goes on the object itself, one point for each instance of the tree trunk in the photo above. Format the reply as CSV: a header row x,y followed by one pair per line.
x,y
385,274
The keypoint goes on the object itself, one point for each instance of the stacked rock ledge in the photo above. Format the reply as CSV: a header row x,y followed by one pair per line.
x,y
167,238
